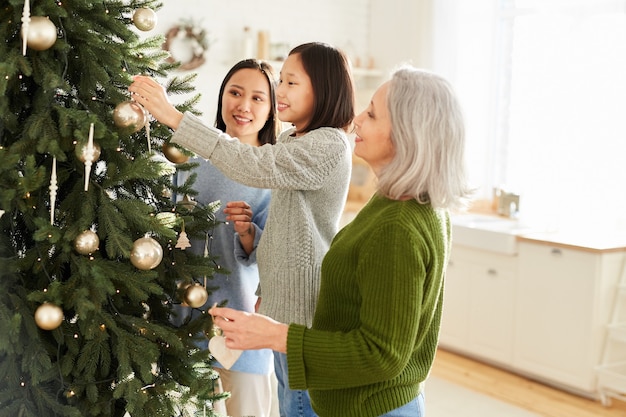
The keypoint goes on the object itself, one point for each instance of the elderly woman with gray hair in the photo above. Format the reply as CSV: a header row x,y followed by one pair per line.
x,y
375,329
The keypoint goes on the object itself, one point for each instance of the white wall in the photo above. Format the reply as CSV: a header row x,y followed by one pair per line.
x,y
344,24
401,31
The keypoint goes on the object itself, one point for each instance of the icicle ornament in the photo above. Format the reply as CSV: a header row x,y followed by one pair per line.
x,y
89,157
147,126
25,24
53,188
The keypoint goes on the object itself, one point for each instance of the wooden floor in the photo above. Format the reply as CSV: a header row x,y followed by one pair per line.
x,y
519,391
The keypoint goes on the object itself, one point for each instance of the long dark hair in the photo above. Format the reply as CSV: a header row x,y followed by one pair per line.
x,y
271,128
332,83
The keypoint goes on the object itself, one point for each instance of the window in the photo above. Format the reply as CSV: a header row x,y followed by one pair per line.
x,y
543,85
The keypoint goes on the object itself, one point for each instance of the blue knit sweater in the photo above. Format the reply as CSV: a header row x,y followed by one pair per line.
x,y
238,287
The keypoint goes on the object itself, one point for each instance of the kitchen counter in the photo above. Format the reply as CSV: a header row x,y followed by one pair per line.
x,y
581,240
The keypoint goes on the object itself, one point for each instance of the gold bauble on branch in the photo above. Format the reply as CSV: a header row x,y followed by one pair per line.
x,y
129,115
81,152
48,316
42,33
195,296
146,254
87,242
145,19
173,154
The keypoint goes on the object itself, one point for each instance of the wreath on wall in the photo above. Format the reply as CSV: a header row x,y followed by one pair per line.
x,y
190,42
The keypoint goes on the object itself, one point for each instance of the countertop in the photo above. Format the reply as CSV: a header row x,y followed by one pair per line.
x,y
581,240
596,240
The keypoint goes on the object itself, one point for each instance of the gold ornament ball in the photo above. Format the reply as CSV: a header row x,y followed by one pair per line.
x,y
48,316
42,33
195,296
173,154
145,19
81,152
146,254
129,115
86,242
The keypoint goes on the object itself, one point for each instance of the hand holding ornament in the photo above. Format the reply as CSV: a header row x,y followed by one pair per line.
x,y
153,97
243,330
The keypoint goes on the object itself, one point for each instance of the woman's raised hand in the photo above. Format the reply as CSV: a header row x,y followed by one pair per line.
x,y
153,97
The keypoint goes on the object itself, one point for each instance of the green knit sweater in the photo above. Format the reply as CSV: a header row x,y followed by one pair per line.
x,y
376,325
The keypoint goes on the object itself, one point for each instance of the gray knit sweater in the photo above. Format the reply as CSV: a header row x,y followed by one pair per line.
x,y
309,178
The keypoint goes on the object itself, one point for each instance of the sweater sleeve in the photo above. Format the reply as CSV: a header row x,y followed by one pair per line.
x,y
389,277
303,163
240,253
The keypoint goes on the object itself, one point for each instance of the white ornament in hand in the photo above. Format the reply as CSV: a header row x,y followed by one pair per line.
x,y
225,356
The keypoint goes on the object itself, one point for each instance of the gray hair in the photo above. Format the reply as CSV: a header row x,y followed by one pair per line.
x,y
428,135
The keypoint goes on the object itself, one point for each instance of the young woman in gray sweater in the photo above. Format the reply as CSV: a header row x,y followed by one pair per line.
x,y
308,171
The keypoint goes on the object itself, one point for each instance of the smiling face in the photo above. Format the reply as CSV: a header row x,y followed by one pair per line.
x,y
294,93
373,132
246,104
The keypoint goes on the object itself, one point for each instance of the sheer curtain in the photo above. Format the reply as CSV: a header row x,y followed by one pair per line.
x,y
543,84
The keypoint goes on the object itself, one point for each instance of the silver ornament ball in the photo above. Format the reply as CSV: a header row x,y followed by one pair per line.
x,y
86,242
196,295
129,115
146,254
42,33
81,152
145,19
48,316
173,154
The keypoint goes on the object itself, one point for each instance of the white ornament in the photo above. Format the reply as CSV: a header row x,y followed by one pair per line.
x,y
53,188
224,355
25,25
89,157
183,241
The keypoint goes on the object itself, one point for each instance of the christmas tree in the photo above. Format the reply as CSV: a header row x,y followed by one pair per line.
x,y
92,245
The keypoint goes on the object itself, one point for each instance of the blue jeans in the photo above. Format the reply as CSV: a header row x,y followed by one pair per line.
x,y
291,403
414,408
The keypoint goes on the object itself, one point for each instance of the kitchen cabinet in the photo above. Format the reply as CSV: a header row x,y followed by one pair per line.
x,y
479,300
563,304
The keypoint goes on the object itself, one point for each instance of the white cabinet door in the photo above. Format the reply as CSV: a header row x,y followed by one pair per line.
x,y
479,304
492,310
454,332
561,313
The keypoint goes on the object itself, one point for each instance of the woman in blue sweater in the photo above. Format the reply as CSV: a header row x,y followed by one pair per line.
x,y
375,329
246,109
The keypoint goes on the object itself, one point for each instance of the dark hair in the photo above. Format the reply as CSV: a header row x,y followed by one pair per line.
x,y
271,128
333,87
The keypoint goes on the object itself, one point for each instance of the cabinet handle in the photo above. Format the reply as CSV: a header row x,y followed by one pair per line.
x,y
492,272
556,252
